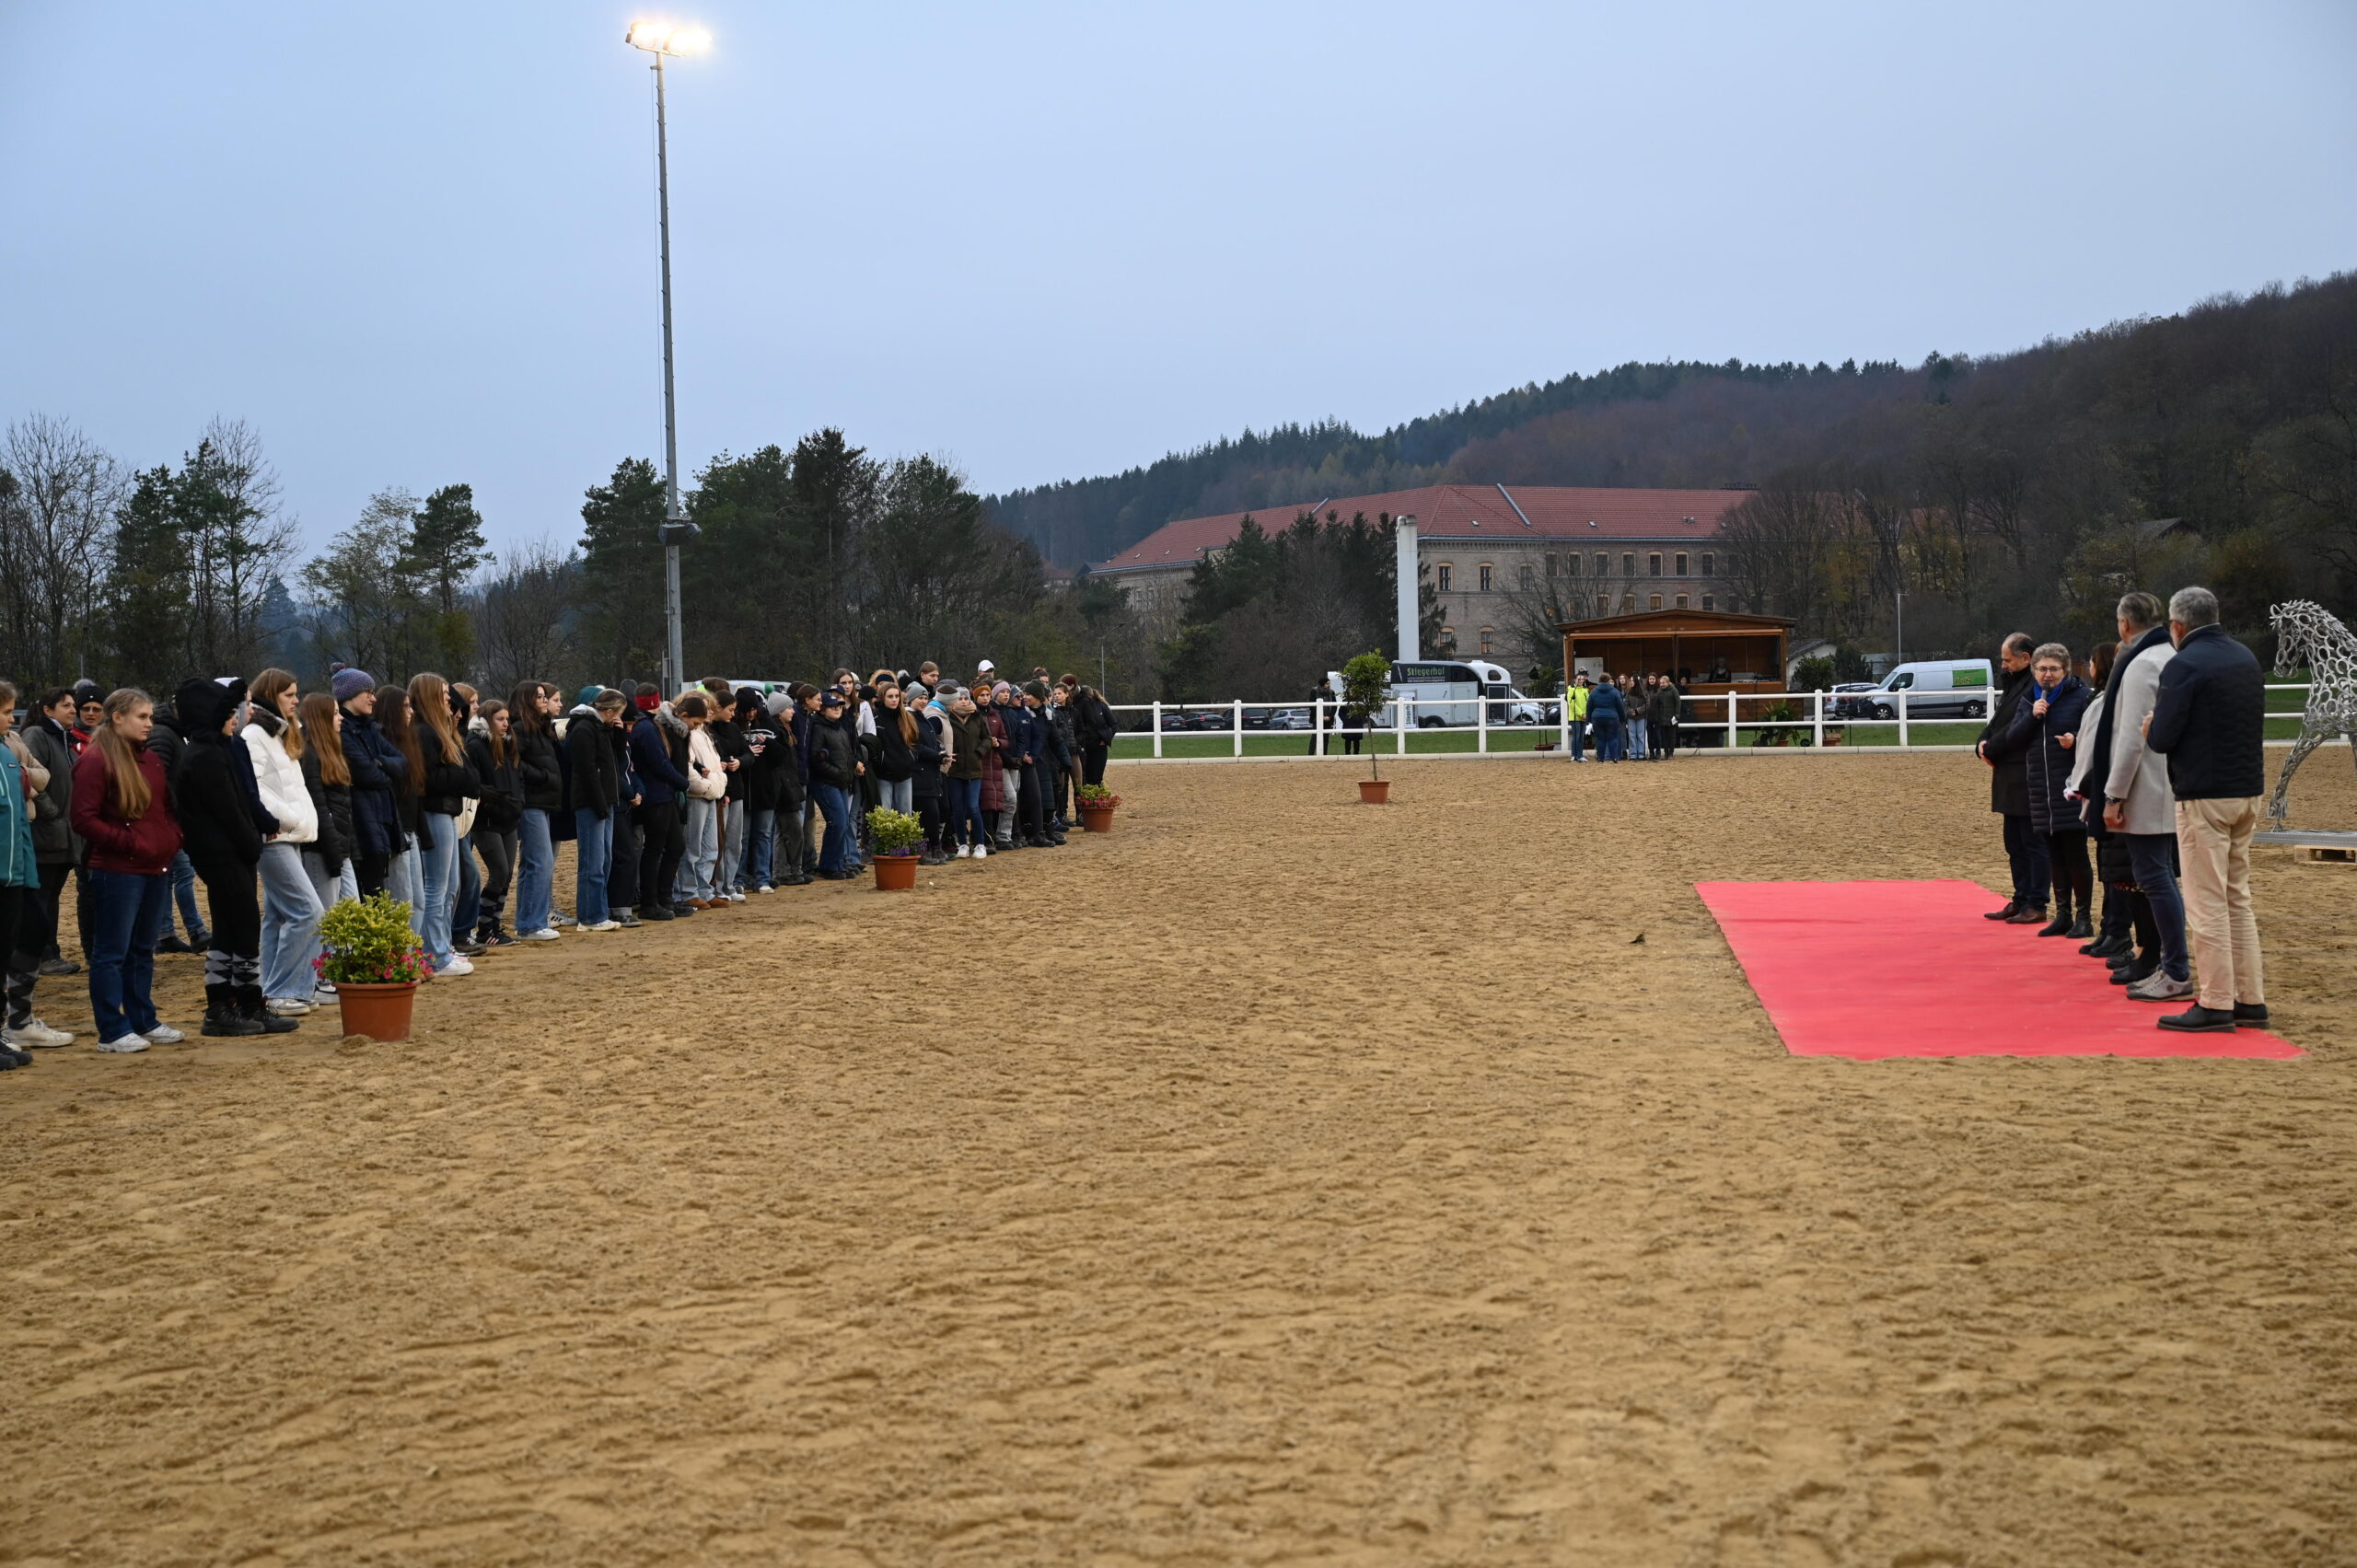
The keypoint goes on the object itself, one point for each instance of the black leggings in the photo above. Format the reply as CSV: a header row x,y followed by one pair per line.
x,y
369,870
666,840
2066,852
498,852
25,926
237,912
929,813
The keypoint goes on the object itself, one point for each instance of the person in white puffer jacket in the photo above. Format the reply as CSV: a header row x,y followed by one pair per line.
x,y
291,903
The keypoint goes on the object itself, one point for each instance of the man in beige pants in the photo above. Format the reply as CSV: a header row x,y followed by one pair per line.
x,y
2211,722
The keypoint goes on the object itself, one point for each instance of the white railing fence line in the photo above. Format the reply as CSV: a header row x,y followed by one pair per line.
x,y
1719,716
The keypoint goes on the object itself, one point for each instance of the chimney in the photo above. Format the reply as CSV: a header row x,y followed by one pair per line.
x,y
1404,532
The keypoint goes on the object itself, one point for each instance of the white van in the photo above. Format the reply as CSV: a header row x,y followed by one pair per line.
x,y
1934,687
1448,691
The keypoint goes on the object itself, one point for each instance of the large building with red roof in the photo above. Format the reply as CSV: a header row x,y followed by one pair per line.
x,y
1603,551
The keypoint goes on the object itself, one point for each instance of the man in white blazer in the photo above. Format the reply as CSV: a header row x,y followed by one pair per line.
x,y
2137,801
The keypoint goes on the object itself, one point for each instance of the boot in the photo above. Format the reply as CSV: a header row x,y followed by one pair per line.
x,y
2061,924
224,1019
248,1003
2081,928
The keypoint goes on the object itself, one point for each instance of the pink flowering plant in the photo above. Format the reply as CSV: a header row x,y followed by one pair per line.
x,y
368,941
1097,795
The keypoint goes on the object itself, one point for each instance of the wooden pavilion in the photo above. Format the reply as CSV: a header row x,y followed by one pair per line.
x,y
1709,650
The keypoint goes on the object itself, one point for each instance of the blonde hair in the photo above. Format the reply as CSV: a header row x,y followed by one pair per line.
x,y
124,779
429,698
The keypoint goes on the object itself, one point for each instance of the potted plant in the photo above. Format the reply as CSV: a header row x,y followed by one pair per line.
x,y
895,835
376,963
1364,680
1097,804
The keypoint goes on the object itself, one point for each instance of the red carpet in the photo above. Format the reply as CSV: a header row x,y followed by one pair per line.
x,y
1910,968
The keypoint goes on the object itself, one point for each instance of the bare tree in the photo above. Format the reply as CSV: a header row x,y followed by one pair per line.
x,y
58,495
228,508
526,616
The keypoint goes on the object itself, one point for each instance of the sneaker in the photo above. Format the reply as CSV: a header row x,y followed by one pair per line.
x,y
765,888
558,917
60,966
545,934
624,919
2198,1019
35,1034
736,894
962,851
457,965
468,949
163,1034
325,988
11,1058
2250,1015
981,852
288,1006
171,945
604,926
2158,987
2132,974
659,911
125,1045
681,912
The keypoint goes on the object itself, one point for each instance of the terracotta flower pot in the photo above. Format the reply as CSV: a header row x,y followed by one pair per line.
x,y
894,873
380,1012
1096,818
1375,792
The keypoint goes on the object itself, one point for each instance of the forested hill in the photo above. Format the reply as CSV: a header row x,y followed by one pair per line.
x,y
2231,413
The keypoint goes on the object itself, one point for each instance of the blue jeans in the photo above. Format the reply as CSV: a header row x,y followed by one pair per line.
x,y
126,922
760,849
593,848
536,879
834,804
1609,747
441,888
1579,740
699,862
405,884
1637,737
466,910
2152,857
897,794
184,895
290,923
730,877
965,799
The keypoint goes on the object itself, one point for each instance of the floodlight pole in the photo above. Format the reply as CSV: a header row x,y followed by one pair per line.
x,y
676,530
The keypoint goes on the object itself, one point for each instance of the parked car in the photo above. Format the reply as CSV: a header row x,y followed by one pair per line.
x,y
1284,718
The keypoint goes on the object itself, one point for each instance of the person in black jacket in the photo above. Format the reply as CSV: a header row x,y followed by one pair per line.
x,y
531,711
165,742
767,755
834,775
1097,727
1039,736
499,808
217,810
2004,749
328,777
2211,723
594,778
372,761
447,785
622,828
662,820
2048,721
727,730
927,786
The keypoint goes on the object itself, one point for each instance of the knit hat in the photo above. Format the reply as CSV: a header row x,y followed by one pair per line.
x,y
777,702
349,683
1036,688
748,700
589,694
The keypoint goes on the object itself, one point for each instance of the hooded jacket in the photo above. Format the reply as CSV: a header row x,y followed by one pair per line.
x,y
209,783
834,756
931,747
660,777
279,780
17,866
970,739
597,774
55,840
705,779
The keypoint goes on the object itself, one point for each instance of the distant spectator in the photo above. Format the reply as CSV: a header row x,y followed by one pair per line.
x,y
2050,721
2209,720
2006,748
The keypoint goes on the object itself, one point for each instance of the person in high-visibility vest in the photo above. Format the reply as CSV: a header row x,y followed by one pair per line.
x,y
1575,695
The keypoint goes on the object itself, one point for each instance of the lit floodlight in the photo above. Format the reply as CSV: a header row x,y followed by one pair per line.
x,y
667,38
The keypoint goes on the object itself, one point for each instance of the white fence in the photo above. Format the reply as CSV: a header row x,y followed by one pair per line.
x,y
1738,723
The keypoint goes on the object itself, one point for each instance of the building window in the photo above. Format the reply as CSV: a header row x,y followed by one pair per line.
x,y
1528,578
1444,574
1603,564
1656,604
1681,563
1628,563
1710,601
1628,604
1486,583
1681,602
1707,559
1553,569
1652,564
1485,640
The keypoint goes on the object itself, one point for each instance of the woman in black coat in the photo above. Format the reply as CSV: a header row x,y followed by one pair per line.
x,y
216,809
2045,732
499,809
531,722
372,762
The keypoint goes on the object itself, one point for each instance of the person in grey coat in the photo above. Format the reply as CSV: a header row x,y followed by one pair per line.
x,y
49,736
2138,804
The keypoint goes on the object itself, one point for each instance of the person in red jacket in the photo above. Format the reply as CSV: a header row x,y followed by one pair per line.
x,y
123,809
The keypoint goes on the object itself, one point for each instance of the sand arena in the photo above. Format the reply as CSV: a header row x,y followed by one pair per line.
x,y
1275,1179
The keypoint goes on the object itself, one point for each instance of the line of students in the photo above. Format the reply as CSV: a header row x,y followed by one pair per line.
x,y
282,802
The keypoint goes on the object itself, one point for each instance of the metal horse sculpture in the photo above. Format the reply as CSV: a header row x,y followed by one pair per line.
x,y
2305,635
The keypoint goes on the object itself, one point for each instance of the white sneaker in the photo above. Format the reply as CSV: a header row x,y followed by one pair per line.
x,y
126,1045
604,926
323,998
545,934
34,1035
456,966
2158,987
736,896
288,1006
164,1034
559,918
325,988
964,852
981,852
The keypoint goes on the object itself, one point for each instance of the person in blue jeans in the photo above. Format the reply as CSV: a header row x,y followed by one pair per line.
x,y
597,798
123,811
834,774
531,713
1606,714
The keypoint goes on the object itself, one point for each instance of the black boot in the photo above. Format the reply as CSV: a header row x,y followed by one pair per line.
x,y
249,1005
2061,924
2081,928
224,1019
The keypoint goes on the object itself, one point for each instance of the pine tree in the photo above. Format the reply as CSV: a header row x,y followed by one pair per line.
x,y
148,587
444,550
621,571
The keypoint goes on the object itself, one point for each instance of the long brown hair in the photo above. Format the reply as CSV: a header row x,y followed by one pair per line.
x,y
523,708
429,696
908,719
502,747
2099,664
263,695
316,717
124,781
393,716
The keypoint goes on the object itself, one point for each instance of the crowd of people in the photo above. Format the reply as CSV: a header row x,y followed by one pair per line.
x,y
2153,760
1631,718
283,802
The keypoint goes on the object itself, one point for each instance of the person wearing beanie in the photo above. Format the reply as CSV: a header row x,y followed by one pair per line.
x,y
223,842
372,761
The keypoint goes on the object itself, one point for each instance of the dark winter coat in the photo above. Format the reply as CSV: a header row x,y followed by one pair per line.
x,y
661,778
729,740
1055,751
499,786
1024,737
450,783
537,766
1606,707
1662,707
596,772
375,763
834,757
896,758
2047,766
331,804
2210,719
2007,747
970,742
764,772
212,791
1097,722
111,841
926,754
55,843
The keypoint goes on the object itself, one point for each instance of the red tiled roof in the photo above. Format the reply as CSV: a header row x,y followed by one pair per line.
x,y
1463,511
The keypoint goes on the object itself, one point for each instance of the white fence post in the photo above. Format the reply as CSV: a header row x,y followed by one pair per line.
x,y
1902,718
1734,736
1816,718
1317,732
1157,732
1563,719
1399,724
1482,724
1238,720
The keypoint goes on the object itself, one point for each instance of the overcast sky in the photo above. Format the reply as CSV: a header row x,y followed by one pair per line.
x,y
1047,241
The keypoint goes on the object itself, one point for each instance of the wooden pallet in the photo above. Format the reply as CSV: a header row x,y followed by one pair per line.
x,y
2313,847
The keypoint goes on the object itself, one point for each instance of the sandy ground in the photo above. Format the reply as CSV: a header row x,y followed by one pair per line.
x,y
1274,1179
